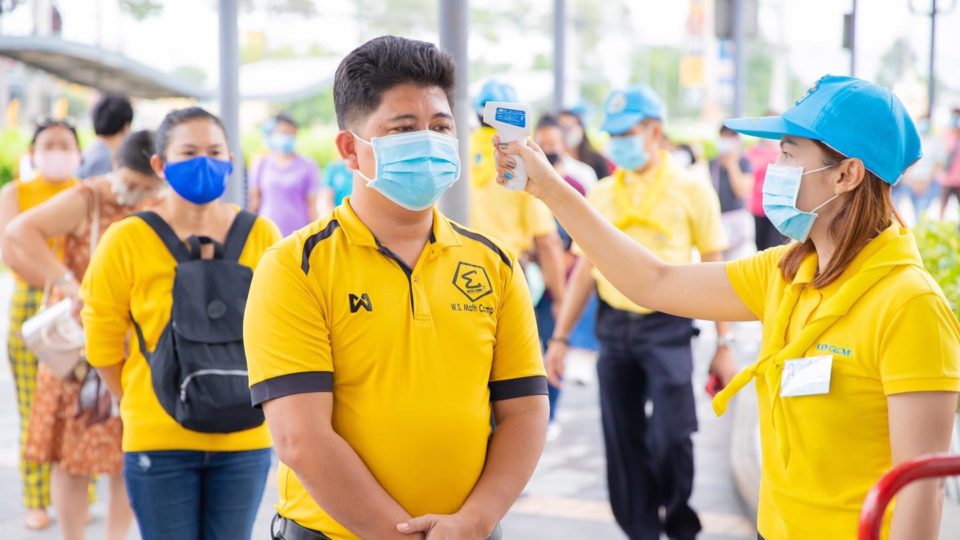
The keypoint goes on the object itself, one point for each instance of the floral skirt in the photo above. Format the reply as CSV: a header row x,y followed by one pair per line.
x,y
59,434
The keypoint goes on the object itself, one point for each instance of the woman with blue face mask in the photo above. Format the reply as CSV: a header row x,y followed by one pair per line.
x,y
182,482
284,184
859,366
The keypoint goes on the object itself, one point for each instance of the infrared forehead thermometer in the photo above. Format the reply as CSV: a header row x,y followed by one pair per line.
x,y
512,122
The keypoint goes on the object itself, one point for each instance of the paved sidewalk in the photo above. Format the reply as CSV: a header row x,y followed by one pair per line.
x,y
565,500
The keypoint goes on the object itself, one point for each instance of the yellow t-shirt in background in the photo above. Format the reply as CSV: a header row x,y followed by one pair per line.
x,y
36,192
900,336
513,217
685,215
132,272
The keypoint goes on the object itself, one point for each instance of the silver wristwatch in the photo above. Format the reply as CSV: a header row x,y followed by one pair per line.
x,y
726,340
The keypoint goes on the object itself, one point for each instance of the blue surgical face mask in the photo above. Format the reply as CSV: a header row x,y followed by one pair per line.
x,y
414,169
781,187
199,180
281,142
629,152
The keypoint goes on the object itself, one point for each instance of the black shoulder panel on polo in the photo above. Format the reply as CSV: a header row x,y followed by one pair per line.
x,y
485,241
312,242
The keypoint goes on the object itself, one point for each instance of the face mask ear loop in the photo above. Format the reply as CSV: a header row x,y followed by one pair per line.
x,y
357,170
831,199
828,201
818,170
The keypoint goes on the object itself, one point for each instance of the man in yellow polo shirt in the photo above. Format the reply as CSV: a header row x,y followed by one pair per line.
x,y
523,223
381,338
646,362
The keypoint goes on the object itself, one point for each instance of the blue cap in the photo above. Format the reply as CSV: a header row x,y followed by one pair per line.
x,y
628,107
854,117
494,90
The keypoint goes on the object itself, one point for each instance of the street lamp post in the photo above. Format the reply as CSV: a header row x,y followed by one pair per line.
x,y
932,70
454,17
740,56
229,96
559,54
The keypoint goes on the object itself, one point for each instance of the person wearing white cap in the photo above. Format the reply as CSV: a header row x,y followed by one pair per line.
x,y
859,367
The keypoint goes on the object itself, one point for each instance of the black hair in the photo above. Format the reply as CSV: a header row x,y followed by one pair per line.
x,y
47,124
686,148
180,116
284,118
548,121
111,114
587,153
382,63
724,130
135,151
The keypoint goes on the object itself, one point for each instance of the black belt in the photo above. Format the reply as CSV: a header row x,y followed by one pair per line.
x,y
289,529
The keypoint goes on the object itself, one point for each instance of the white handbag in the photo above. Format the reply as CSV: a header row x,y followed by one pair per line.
x,y
54,334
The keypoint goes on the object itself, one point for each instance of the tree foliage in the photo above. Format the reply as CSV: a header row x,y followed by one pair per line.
x,y
141,9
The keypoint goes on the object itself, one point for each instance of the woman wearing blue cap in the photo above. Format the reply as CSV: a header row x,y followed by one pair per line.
x,y
859,367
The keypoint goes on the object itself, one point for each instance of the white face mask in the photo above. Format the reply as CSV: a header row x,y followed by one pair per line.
x,y
572,138
727,145
56,164
681,158
127,196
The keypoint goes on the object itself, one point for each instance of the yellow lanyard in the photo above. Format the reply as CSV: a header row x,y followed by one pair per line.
x,y
776,350
628,214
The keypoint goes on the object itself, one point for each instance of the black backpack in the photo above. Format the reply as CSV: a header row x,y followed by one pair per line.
x,y
199,369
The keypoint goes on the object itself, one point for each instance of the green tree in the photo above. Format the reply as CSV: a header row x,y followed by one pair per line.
x,y
759,77
316,109
896,62
592,21
191,74
141,9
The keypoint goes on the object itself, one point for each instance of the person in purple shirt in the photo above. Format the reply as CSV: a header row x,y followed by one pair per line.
x,y
283,184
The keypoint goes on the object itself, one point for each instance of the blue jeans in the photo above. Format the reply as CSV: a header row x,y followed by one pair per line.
x,y
190,495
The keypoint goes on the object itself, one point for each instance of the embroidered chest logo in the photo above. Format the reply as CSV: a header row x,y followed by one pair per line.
x,y
833,349
472,281
358,302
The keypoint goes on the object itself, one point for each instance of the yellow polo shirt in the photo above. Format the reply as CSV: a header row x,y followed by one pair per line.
x,y
132,272
515,218
666,211
898,336
413,356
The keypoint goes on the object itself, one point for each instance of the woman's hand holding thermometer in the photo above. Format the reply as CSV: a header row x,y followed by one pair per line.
x,y
521,164
512,122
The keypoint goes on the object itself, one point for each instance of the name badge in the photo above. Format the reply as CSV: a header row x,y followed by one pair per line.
x,y
806,376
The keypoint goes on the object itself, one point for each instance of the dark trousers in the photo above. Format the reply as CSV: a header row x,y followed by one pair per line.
x,y
767,236
545,327
648,413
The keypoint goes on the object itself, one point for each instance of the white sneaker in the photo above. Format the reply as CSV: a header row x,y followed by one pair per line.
x,y
553,431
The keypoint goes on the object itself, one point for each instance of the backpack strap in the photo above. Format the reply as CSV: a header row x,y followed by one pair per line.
x,y
166,234
143,342
237,236
197,243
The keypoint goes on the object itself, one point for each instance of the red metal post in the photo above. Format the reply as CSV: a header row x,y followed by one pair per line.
x,y
875,505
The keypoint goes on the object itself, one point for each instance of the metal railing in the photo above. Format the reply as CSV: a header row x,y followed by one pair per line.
x,y
875,505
